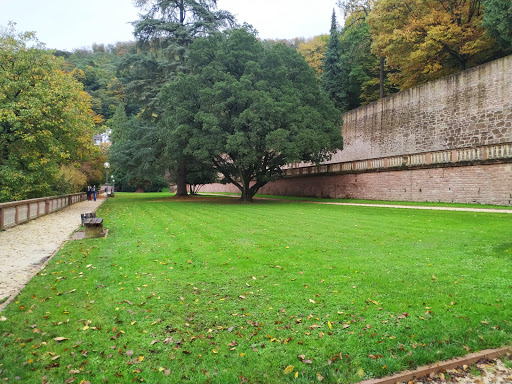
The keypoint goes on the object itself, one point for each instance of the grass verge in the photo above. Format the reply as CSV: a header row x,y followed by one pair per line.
x,y
270,292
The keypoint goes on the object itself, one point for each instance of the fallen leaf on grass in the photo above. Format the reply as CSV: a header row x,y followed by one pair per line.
x,y
304,360
288,369
319,377
59,339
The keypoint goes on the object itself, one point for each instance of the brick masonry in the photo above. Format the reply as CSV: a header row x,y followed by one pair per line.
x,y
469,109
481,184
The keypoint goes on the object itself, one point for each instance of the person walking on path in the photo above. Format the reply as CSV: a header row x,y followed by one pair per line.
x,y
94,192
88,192
25,248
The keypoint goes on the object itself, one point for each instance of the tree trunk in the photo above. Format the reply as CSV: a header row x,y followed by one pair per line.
x,y
247,193
181,182
381,73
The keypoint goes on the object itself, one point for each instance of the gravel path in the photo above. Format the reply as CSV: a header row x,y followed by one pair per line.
x,y
25,248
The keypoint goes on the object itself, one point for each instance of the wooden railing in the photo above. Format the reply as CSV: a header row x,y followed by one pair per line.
x,y
482,154
17,212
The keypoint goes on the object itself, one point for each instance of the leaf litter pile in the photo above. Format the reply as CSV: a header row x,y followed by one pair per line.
x,y
269,292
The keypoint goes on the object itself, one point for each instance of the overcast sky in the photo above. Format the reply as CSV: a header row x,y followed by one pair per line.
x,y
70,24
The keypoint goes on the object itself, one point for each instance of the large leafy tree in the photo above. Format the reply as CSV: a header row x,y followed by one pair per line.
x,y
249,108
46,120
428,39
164,32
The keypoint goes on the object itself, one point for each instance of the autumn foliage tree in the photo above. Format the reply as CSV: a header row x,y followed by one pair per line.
x,y
428,39
45,120
313,50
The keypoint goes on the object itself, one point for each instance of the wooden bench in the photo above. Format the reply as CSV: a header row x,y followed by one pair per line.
x,y
85,216
93,227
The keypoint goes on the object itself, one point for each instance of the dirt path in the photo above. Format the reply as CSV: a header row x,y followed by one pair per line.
x,y
25,248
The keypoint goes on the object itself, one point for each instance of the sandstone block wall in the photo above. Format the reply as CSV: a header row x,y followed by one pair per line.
x,y
477,184
480,184
470,108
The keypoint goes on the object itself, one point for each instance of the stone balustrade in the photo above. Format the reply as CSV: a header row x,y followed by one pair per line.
x,y
17,212
463,156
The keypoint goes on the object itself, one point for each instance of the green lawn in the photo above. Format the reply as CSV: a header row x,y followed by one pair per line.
x,y
269,292
373,202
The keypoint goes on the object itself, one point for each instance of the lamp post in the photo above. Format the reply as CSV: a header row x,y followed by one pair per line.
x,y
107,166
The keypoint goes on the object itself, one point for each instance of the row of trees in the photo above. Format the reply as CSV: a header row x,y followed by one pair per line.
x,y
390,45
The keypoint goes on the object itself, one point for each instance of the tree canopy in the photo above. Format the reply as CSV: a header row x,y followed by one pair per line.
x,y
428,39
498,21
46,119
313,50
249,108
164,32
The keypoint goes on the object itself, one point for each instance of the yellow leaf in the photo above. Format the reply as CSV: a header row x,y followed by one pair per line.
x,y
215,351
329,324
141,358
161,369
296,374
288,369
241,354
